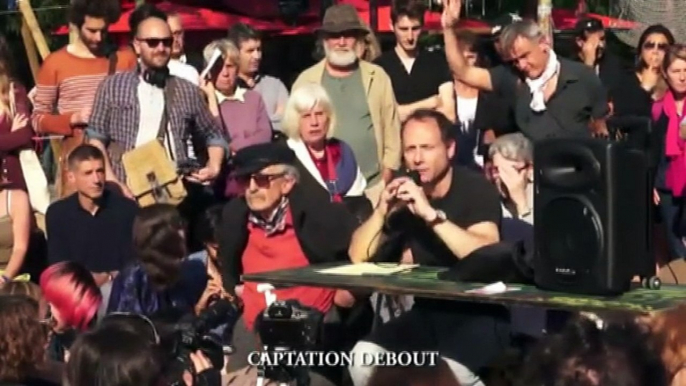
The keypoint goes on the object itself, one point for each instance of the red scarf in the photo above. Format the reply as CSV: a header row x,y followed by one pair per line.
x,y
327,166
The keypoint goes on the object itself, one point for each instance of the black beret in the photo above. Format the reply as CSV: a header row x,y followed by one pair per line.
x,y
252,159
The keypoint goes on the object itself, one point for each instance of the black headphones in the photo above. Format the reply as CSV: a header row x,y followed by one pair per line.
x,y
155,76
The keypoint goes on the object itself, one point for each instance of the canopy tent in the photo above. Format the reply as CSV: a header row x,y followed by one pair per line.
x,y
565,19
204,19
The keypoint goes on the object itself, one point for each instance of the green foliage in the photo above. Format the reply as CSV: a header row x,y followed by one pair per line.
x,y
50,14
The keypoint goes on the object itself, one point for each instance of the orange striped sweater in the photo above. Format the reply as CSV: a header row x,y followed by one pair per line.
x,y
67,83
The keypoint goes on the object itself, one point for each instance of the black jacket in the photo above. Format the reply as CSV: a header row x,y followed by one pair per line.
x,y
323,229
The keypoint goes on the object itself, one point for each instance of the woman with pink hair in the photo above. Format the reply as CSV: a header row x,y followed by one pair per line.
x,y
73,299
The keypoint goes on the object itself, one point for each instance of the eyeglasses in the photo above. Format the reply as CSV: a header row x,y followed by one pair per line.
x,y
654,45
131,315
155,42
261,180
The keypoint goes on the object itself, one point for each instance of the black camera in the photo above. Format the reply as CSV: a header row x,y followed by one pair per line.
x,y
289,326
194,334
188,166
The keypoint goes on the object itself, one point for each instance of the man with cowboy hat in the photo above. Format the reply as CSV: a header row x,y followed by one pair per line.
x,y
361,93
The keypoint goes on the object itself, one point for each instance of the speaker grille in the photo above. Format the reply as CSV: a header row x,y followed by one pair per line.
x,y
571,232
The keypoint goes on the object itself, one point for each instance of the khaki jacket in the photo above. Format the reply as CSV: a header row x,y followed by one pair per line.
x,y
382,108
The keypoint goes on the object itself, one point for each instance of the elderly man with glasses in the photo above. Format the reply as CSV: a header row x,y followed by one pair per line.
x,y
276,225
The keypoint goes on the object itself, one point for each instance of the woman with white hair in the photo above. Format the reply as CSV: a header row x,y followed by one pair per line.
x,y
328,165
241,112
512,156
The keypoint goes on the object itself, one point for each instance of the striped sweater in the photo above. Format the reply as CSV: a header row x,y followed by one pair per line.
x,y
66,84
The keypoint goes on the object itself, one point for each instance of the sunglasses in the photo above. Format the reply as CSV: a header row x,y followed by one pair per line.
x,y
260,179
155,42
653,45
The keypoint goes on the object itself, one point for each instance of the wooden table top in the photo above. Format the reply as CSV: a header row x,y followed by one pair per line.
x,y
424,282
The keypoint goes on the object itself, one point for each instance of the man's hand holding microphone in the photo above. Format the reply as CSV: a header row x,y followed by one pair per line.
x,y
404,192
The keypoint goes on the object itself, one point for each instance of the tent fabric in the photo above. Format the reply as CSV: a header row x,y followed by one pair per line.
x,y
565,19
204,19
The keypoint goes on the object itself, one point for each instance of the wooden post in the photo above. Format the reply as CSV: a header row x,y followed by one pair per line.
x,y
30,46
34,28
545,18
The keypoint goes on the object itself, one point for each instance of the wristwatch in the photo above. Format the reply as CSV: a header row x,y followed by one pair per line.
x,y
440,217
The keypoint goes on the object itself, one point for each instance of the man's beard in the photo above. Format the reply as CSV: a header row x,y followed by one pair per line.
x,y
340,58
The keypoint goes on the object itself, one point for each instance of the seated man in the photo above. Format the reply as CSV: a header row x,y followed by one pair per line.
x,y
276,226
93,226
454,212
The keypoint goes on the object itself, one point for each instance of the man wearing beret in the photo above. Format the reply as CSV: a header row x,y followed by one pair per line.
x,y
275,225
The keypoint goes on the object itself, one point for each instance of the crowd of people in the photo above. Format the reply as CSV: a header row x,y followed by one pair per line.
x,y
410,155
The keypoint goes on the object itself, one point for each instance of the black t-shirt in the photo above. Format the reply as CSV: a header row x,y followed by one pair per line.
x,y
470,200
429,71
578,98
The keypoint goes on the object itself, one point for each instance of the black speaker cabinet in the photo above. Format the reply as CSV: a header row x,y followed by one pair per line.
x,y
591,216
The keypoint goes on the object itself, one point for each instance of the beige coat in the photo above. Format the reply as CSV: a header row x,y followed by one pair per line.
x,y
382,108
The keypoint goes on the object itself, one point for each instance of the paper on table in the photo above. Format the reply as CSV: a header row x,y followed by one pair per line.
x,y
368,269
493,289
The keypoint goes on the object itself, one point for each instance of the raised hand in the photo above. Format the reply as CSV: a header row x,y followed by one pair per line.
x,y
451,13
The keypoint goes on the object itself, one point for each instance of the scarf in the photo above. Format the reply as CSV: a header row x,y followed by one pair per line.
x,y
537,86
276,222
675,177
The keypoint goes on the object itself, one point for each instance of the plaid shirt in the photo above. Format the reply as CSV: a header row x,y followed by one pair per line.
x,y
116,116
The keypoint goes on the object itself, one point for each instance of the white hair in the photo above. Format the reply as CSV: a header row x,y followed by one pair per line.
x,y
302,100
526,29
227,49
514,147
290,171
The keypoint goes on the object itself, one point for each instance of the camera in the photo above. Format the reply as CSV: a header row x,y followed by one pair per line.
x,y
194,334
288,325
291,325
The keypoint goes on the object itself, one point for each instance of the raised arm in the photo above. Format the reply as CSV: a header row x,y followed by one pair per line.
x,y
474,76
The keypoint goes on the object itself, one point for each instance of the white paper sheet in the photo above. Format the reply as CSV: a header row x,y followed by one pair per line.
x,y
368,269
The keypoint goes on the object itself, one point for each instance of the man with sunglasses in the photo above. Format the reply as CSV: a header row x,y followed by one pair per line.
x,y
68,79
130,109
277,225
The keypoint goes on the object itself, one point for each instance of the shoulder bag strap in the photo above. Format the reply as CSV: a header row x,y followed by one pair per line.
x,y
163,132
112,68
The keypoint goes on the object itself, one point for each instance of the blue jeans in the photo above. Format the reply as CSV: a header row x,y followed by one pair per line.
x,y
671,209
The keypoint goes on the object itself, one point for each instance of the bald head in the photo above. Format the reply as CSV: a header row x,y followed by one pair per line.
x,y
153,42
153,26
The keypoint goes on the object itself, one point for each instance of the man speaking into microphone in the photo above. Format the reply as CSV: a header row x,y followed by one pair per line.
x,y
448,215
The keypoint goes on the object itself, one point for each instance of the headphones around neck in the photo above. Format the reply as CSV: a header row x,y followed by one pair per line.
x,y
155,76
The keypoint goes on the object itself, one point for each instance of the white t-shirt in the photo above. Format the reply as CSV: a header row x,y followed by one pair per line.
x,y
151,101
466,113
184,71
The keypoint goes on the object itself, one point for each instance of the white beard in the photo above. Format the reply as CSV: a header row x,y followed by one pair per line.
x,y
340,58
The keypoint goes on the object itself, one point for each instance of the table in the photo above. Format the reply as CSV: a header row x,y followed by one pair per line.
x,y
424,282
